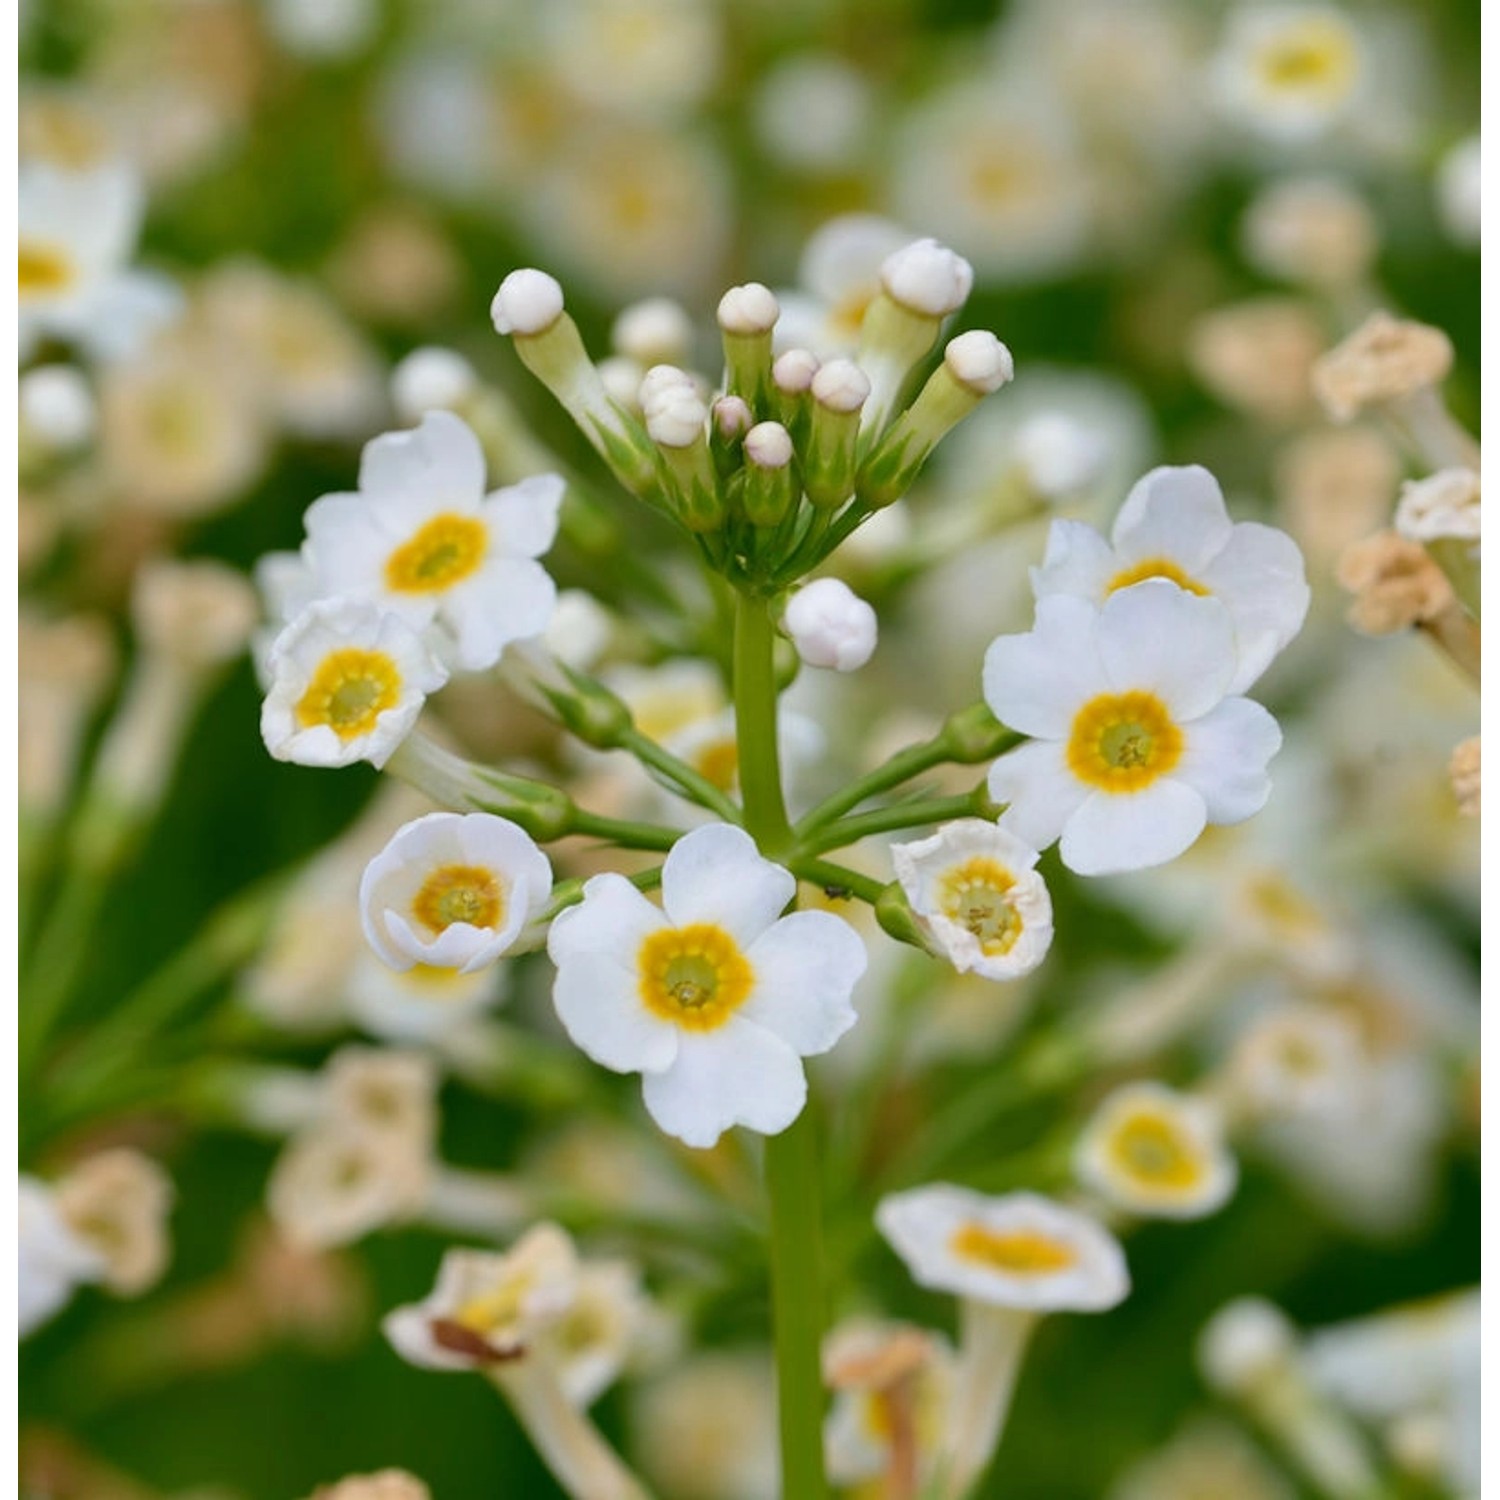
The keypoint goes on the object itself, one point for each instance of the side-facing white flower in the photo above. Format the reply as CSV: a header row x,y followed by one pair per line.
x,y
77,230
1020,1250
1174,525
714,999
1150,1150
452,891
424,541
1137,744
51,1258
347,682
420,1004
830,625
973,888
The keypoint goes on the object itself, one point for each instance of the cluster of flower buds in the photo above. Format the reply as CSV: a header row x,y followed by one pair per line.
x,y
791,454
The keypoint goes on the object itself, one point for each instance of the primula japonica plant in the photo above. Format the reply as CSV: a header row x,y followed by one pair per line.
x,y
1117,728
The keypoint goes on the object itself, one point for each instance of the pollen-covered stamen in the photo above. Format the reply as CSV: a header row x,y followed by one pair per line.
x,y
1122,742
350,690
1314,56
1016,1252
43,268
1151,1148
694,976
1155,567
459,893
447,549
976,895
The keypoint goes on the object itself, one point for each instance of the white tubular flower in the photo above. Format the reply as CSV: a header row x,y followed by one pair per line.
x,y
1152,1151
973,889
488,1307
927,277
453,891
348,681
1289,71
117,1202
1137,744
1017,1251
57,407
830,625
424,541
431,379
420,1004
1174,525
52,1260
77,230
715,999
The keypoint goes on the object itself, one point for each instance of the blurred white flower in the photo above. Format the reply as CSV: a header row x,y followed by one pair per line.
x,y
417,1004
1459,179
57,406
116,1202
52,1260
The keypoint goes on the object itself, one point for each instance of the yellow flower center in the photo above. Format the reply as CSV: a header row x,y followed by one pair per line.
x,y
719,762
492,1311
447,549
43,268
1121,742
1150,1148
350,690
459,893
1154,567
695,976
975,894
1317,57
1016,1252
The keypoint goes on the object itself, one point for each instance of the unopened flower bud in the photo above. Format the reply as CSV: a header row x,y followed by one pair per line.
x,y
747,315
431,379
979,360
830,625
528,302
621,379
839,390
748,310
732,417
771,488
675,413
57,406
793,371
927,277
1243,1344
654,332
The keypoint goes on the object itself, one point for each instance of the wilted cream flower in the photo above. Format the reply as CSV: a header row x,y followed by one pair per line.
x,y
1384,359
116,1202
1298,1059
1335,486
385,1091
1444,506
1258,355
387,1484
1312,230
198,613
1207,1460
1463,772
1394,582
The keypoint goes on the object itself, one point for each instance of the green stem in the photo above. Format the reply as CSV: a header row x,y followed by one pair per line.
x,y
792,1180
900,768
836,879
628,835
63,944
688,781
899,815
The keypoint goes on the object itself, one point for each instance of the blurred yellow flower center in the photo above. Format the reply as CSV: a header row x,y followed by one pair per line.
x,y
1316,56
1121,742
459,893
1154,567
695,976
719,762
493,1310
975,895
446,549
350,690
1016,1252
43,268
1150,1148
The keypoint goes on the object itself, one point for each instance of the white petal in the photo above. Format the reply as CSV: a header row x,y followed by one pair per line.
x,y
1036,682
440,463
1156,636
737,1075
806,967
1078,561
1261,579
716,874
1111,832
523,517
600,1006
1042,792
1225,759
510,599
612,920
1175,513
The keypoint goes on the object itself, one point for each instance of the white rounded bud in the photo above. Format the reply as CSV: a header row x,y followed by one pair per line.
x,y
430,379
1243,1342
57,406
927,278
979,360
654,331
768,445
660,379
732,416
793,372
621,379
841,386
674,411
529,301
830,625
748,309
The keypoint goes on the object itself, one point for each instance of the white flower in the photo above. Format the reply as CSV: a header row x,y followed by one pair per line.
x,y
715,999
1017,1251
422,539
1149,1150
1137,744
417,1004
973,889
76,232
1174,525
51,1258
488,1306
1459,178
453,891
589,1344
431,379
1440,507
347,683
57,406
830,625
1244,1343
